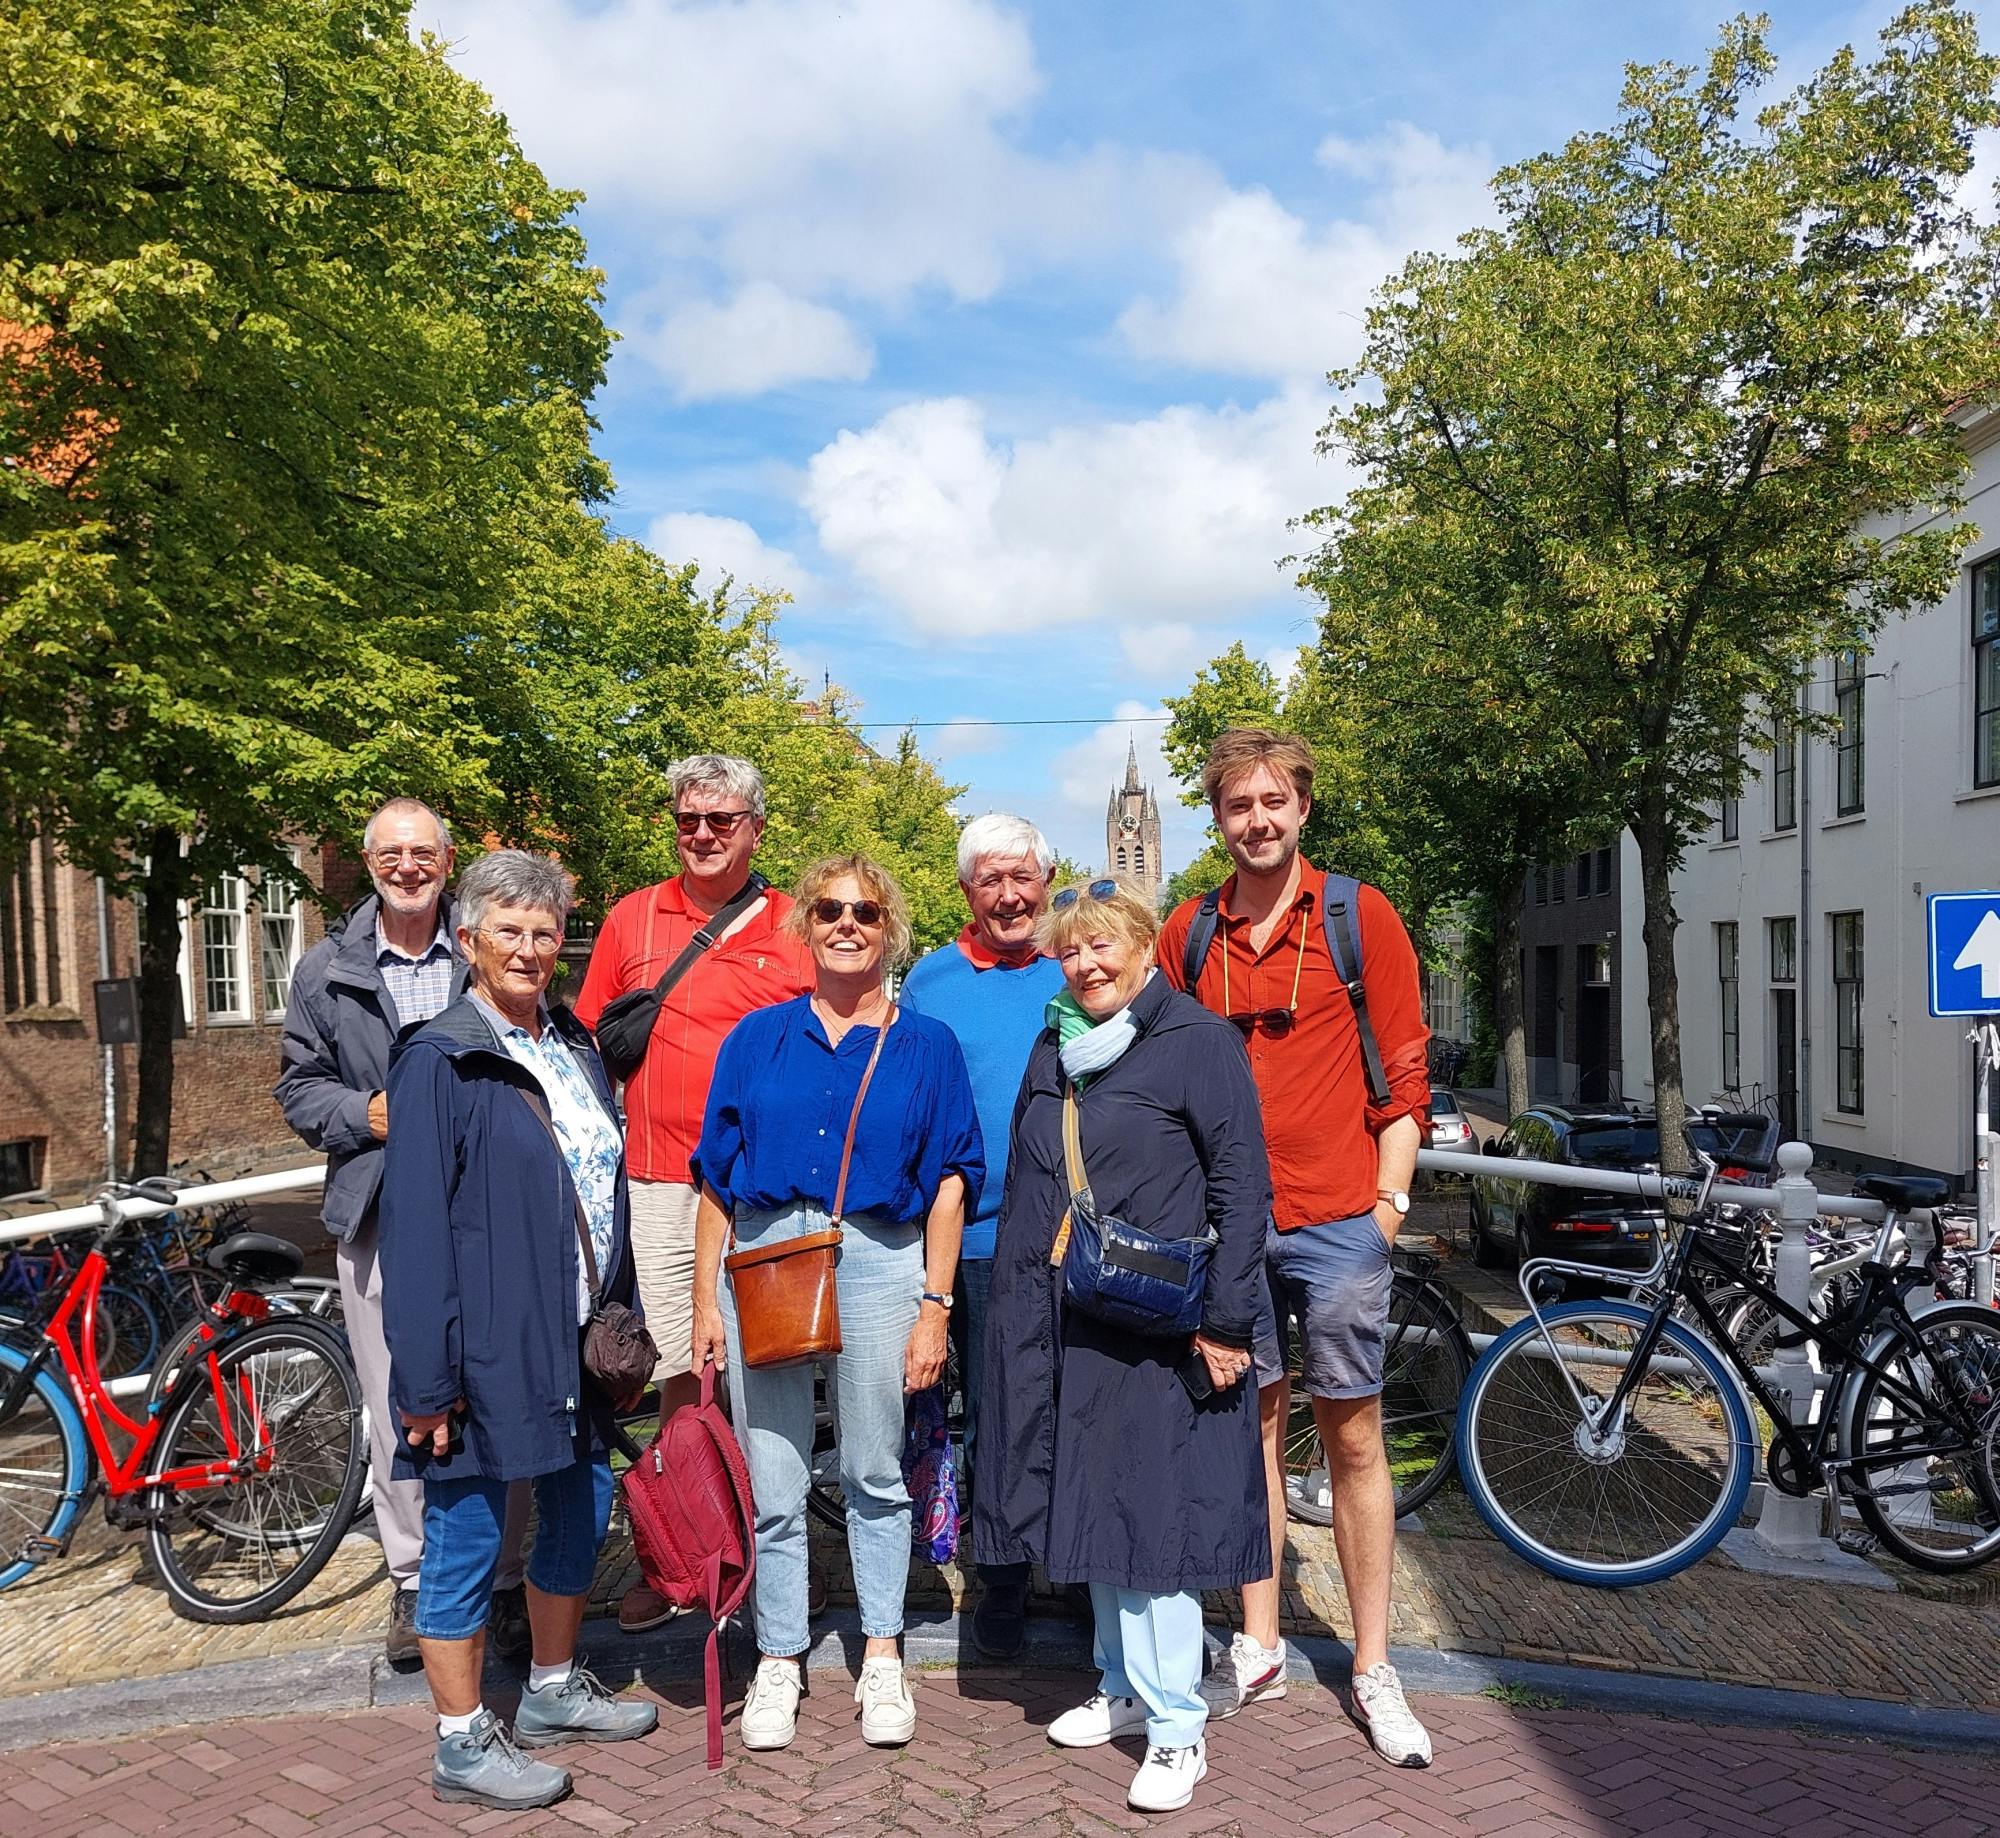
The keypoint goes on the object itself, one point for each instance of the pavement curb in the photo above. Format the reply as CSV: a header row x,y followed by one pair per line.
x,y
357,1678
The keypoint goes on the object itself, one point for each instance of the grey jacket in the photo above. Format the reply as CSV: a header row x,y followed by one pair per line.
x,y
340,1027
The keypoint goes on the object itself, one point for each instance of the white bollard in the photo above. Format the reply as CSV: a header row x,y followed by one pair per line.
x,y
1788,1525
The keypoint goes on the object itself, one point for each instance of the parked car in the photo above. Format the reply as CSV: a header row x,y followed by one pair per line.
x,y
1450,1129
1515,1218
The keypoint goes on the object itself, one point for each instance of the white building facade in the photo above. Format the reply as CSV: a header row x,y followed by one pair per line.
x,y
1801,946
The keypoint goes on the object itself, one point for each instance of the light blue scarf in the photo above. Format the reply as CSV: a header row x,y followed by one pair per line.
x,y
1089,1046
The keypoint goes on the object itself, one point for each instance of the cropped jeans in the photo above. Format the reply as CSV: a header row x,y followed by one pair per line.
x,y
879,1276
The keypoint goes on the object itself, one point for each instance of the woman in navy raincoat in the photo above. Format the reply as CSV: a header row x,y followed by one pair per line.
x,y
1104,1467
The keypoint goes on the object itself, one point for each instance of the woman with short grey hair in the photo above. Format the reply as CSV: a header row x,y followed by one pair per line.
x,y
504,1170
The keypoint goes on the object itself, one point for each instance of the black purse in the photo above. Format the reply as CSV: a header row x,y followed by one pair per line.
x,y
626,1026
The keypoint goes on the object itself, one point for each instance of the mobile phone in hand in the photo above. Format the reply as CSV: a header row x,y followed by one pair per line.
x,y
1193,1371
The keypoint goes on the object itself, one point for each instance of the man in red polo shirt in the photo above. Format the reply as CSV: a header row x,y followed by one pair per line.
x,y
1341,1164
719,821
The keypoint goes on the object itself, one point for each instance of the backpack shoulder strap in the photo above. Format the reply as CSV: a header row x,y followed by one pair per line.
x,y
1201,934
1340,910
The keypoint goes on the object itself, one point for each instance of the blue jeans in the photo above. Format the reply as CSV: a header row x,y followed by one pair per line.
x,y
463,1520
1149,1647
879,1274
975,1291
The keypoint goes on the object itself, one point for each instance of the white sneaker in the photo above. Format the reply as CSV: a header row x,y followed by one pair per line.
x,y
1096,1720
888,1712
771,1706
1167,1778
1385,1713
1245,1675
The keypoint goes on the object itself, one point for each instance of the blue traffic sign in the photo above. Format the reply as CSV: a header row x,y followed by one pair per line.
x,y
1965,953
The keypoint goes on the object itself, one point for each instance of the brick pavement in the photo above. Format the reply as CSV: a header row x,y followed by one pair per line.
x,y
980,1765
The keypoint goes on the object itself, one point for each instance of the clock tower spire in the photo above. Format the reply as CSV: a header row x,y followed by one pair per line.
x,y
1132,830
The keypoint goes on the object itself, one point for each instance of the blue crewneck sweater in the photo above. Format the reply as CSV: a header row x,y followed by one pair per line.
x,y
997,1016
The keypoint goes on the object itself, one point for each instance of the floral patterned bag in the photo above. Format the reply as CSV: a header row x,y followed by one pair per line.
x,y
930,1471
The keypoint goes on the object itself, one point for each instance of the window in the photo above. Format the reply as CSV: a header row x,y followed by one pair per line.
x,y
1597,964
1849,752
1847,1068
17,1166
1541,886
224,997
1604,870
1784,949
1121,861
1732,1031
34,928
1986,673
1139,860
1583,876
1784,773
1445,1001
278,935
1731,818
1556,879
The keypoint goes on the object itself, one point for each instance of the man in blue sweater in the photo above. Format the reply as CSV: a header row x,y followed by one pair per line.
x,y
990,987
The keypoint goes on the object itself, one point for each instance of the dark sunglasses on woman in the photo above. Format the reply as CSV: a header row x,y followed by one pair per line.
x,y
865,912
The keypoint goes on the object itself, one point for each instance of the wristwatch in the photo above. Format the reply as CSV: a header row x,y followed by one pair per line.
x,y
944,1302
1396,1198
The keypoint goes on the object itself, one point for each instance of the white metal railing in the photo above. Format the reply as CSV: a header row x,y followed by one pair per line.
x,y
131,1206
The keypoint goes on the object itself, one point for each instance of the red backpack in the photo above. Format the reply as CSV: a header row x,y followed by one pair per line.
x,y
687,1494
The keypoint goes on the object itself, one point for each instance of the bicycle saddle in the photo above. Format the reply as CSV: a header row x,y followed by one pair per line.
x,y
1903,1191
256,1257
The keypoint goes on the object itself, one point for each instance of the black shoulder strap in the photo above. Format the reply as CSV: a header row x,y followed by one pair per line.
x,y
719,922
1201,934
1343,940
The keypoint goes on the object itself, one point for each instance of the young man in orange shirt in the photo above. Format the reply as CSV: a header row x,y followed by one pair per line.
x,y
1342,1156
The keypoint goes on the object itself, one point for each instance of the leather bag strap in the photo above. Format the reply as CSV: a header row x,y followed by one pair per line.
x,y
1079,1179
533,1100
854,1116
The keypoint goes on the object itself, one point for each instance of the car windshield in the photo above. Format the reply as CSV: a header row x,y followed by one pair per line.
x,y
1443,1104
1637,1144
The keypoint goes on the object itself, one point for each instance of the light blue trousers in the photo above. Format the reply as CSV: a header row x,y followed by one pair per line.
x,y
879,1279
1149,1647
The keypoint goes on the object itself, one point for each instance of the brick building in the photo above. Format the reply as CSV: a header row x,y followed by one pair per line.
x,y
1570,977
239,943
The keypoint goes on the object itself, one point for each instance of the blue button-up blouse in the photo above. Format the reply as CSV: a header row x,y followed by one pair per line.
x,y
781,1096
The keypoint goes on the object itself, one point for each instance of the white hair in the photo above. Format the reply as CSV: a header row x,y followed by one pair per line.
x,y
513,877
723,772
405,807
1007,839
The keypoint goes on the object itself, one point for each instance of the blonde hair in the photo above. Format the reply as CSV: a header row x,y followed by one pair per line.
x,y
1240,750
1124,913
876,882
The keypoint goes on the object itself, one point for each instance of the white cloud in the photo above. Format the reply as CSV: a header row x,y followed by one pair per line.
x,y
726,546
1179,517
1170,652
757,339
1261,293
963,738
1084,774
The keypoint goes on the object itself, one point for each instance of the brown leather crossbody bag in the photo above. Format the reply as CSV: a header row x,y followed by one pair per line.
x,y
787,1308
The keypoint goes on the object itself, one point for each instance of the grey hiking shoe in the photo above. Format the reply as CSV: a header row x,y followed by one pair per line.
x,y
484,1768
581,1710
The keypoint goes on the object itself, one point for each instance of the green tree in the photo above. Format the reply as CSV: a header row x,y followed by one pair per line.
x,y
299,347
1674,403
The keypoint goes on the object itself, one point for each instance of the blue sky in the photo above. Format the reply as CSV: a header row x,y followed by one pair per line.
x,y
996,334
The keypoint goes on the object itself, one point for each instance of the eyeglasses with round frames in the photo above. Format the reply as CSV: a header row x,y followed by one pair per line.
x,y
829,911
720,823
510,938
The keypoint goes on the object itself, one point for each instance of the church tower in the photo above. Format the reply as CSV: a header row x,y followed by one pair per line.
x,y
1132,830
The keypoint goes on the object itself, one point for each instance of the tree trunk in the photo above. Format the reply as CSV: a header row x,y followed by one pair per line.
x,y
159,1002
1663,1007
1510,1020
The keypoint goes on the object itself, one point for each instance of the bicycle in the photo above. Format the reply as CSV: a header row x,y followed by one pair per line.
x,y
244,1475
1425,1359
1611,1444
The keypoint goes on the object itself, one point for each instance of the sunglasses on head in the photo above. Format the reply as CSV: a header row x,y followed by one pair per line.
x,y
865,912
720,823
1098,890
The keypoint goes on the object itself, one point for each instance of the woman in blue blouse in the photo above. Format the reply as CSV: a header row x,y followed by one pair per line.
x,y
768,1162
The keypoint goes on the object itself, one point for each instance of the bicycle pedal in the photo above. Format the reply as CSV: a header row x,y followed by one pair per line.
x,y
1858,1544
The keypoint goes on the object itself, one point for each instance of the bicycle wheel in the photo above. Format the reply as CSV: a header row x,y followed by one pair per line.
x,y
134,1330
44,1466
280,1412
1920,1443
1591,1501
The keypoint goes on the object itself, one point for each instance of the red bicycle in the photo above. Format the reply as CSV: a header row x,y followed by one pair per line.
x,y
244,1473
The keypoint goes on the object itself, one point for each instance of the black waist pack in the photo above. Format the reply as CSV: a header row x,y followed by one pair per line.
x,y
626,1026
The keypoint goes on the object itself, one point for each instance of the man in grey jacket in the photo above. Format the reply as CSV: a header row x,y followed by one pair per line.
x,y
386,965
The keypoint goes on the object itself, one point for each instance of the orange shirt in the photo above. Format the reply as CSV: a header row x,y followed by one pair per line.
x,y
757,964
1318,1122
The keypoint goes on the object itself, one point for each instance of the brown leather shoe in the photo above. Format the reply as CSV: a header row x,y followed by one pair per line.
x,y
644,1607
401,1648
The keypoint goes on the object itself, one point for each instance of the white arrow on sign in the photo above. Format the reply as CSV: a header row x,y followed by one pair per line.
x,y
1982,953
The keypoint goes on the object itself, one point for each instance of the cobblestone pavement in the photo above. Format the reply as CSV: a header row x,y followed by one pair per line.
x,y
980,1765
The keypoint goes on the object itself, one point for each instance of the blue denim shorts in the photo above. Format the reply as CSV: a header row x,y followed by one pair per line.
x,y
1333,1279
463,1517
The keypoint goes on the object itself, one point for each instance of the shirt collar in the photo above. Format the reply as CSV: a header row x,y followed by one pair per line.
x,y
1312,888
981,956
501,1026
385,952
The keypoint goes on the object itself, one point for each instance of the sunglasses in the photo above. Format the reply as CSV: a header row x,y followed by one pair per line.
x,y
720,823
1098,890
1276,1022
828,912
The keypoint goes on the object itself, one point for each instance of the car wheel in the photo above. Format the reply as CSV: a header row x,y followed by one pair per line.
x,y
1485,1253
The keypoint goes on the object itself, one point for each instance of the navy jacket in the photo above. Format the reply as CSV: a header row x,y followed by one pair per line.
x,y
479,1252
1094,1460
340,1031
